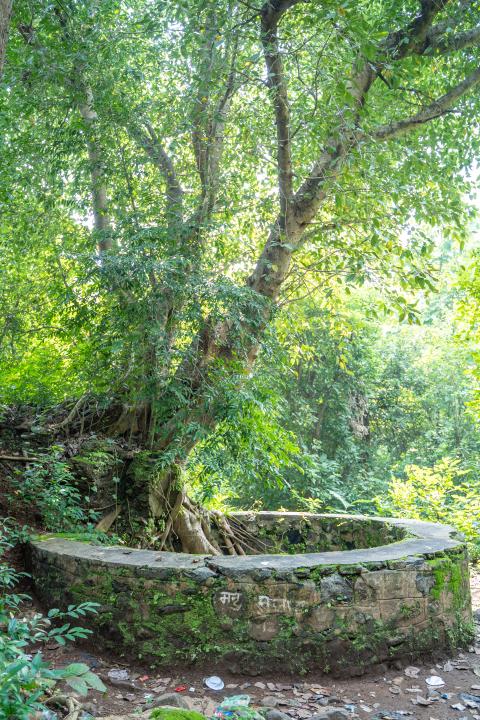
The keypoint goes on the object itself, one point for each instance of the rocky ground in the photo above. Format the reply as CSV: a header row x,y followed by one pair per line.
x,y
448,690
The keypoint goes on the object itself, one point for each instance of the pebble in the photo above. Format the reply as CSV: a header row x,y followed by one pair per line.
x,y
271,701
332,714
129,697
276,715
171,699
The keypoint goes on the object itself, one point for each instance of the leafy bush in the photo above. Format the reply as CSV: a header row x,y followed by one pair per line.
x,y
48,486
25,677
443,493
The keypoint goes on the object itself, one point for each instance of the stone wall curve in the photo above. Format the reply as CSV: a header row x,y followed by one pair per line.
x,y
336,611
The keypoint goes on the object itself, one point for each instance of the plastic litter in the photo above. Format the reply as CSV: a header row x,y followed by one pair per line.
x,y
435,681
49,715
412,671
116,674
469,699
214,682
236,707
180,688
236,701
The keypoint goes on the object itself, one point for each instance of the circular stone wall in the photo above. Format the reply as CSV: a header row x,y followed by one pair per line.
x,y
362,591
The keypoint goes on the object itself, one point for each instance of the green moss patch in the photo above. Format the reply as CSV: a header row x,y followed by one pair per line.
x,y
166,713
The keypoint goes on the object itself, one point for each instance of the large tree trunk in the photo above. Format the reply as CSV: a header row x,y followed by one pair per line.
x,y
172,520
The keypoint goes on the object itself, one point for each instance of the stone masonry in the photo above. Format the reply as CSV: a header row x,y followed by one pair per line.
x,y
336,610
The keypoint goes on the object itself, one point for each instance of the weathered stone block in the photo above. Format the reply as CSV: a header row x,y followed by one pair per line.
x,y
335,589
264,630
403,612
392,583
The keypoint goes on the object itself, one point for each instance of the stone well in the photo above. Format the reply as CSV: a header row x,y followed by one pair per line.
x,y
357,592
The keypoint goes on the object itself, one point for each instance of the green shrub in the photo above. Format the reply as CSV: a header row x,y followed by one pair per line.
x,y
444,493
48,486
25,677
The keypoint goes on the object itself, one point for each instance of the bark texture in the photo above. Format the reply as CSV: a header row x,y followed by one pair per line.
x,y
5,15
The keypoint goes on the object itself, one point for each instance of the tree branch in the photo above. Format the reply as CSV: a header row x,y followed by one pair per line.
x,y
411,39
397,44
151,144
209,122
273,263
278,89
435,109
99,191
441,45
84,102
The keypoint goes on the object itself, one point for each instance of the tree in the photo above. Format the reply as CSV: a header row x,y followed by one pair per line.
x,y
363,100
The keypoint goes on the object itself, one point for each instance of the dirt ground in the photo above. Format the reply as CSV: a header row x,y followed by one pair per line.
x,y
393,694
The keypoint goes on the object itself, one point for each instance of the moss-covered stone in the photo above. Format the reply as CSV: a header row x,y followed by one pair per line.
x,y
166,713
300,612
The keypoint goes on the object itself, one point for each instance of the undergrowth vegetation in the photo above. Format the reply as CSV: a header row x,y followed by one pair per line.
x,y
24,675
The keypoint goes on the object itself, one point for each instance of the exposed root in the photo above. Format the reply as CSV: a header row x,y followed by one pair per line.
x,y
188,528
172,517
72,705
200,531
75,411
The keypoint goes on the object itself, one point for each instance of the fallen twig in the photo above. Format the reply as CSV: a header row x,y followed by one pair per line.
x,y
19,458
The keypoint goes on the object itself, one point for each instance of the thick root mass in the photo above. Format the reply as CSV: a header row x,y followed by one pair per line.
x,y
193,529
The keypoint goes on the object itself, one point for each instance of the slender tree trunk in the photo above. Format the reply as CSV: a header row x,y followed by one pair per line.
x,y
97,171
5,15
